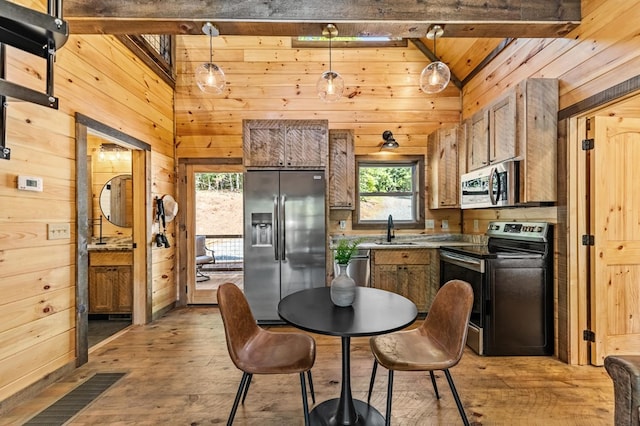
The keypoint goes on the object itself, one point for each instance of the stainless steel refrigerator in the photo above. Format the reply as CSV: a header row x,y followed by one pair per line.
x,y
284,237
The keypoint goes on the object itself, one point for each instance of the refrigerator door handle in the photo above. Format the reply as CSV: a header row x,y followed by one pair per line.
x,y
283,203
276,227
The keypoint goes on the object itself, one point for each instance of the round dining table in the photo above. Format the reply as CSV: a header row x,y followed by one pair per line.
x,y
373,312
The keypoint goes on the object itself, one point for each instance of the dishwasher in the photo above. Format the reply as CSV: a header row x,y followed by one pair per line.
x,y
358,268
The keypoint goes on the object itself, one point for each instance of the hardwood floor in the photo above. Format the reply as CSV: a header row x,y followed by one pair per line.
x,y
179,373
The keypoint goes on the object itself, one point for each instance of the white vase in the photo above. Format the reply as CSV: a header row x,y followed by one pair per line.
x,y
343,288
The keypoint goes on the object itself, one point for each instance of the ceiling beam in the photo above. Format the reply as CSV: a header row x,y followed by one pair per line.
x,y
400,18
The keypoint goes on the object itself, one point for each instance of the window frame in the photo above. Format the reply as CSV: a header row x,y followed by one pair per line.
x,y
416,161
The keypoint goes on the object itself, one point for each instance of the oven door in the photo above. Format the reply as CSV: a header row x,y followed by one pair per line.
x,y
454,266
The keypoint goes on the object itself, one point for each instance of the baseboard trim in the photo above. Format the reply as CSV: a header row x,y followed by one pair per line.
x,y
35,388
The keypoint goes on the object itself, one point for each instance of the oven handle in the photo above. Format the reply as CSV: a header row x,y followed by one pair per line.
x,y
463,261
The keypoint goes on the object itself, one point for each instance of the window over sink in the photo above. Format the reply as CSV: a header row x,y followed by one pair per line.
x,y
389,187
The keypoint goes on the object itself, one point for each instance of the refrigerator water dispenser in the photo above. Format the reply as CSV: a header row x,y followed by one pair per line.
x,y
261,229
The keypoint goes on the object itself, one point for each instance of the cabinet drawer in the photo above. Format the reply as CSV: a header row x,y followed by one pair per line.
x,y
401,257
109,258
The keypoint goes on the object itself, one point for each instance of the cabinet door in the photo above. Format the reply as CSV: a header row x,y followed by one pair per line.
x,y
263,143
123,291
416,278
502,128
385,277
101,289
448,175
478,140
306,145
341,169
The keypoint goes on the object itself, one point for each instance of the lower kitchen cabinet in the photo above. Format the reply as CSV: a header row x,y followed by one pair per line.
x,y
406,272
110,282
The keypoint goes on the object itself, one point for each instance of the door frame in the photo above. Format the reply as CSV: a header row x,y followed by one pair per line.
x,y
142,211
578,223
187,167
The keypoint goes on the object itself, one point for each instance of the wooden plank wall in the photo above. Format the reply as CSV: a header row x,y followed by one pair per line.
x,y
268,79
603,51
99,78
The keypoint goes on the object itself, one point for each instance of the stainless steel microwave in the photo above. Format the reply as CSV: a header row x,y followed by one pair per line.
x,y
492,186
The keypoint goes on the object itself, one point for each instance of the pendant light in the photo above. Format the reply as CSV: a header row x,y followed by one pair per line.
x,y
330,84
209,76
389,141
436,75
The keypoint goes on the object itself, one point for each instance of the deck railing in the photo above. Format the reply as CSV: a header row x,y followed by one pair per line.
x,y
227,251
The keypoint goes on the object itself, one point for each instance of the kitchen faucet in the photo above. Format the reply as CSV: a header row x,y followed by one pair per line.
x,y
389,228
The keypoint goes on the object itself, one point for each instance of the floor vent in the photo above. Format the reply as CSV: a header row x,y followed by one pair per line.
x,y
69,405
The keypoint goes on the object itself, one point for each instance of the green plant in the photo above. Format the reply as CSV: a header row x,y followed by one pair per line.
x,y
346,249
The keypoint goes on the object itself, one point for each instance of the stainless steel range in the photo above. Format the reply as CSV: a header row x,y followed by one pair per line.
x,y
512,280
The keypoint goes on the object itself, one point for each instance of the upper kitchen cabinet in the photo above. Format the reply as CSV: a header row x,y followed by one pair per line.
x,y
477,131
537,136
521,125
285,143
341,170
444,176
492,133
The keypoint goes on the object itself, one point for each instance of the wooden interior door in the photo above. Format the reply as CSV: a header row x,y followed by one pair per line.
x,y
615,225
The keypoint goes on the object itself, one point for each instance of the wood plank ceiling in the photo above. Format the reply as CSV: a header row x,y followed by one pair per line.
x,y
473,29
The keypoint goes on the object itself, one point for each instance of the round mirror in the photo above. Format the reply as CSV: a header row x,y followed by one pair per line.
x,y
116,200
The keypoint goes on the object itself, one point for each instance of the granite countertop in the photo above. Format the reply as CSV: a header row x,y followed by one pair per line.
x,y
110,244
383,245
409,241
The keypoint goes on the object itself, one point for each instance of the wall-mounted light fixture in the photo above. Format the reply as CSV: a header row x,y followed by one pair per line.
x,y
209,77
436,75
111,151
389,141
330,84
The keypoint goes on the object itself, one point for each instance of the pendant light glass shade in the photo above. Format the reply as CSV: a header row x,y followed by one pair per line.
x,y
435,76
209,77
330,85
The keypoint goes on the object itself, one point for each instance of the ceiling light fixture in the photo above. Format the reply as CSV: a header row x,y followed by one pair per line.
x,y
389,141
330,84
209,76
436,75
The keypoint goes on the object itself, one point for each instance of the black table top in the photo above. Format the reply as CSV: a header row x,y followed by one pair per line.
x,y
373,312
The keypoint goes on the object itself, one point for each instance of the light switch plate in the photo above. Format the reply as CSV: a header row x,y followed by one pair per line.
x,y
445,224
429,224
58,231
343,224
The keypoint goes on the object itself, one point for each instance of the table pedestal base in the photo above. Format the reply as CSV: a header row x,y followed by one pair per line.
x,y
325,414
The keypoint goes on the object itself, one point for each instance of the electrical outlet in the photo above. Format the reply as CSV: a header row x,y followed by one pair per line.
x,y
445,224
429,223
476,225
58,231
343,224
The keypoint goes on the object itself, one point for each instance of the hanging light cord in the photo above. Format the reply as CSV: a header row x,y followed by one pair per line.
x,y
330,68
211,47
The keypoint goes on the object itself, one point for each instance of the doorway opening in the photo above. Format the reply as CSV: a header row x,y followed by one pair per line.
x,y
218,230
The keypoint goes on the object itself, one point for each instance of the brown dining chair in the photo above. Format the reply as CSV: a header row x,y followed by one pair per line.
x,y
437,344
254,350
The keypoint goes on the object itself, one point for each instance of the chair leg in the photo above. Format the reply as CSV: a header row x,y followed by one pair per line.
x,y
305,403
246,388
373,377
243,381
456,397
433,382
387,421
313,394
